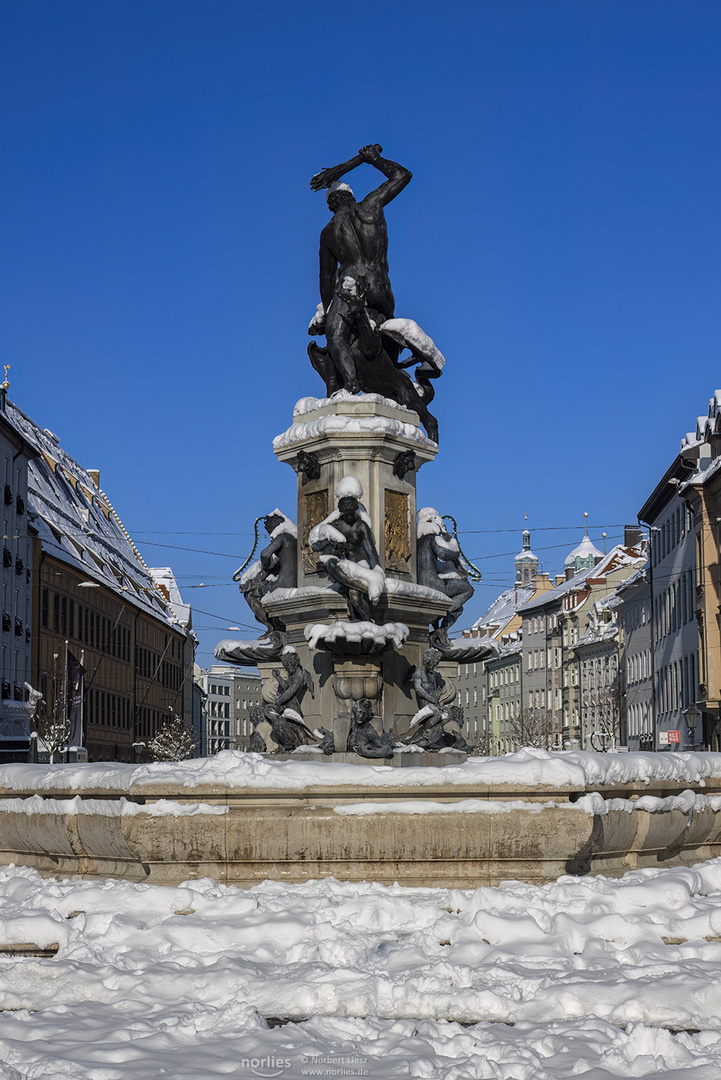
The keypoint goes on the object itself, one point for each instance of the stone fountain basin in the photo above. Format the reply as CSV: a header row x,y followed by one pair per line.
x,y
241,819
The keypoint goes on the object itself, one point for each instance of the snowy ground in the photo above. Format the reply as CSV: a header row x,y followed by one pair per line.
x,y
584,977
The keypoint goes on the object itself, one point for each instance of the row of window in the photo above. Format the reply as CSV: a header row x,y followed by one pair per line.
x,y
20,629
635,615
73,620
150,721
107,710
670,534
544,699
171,675
599,671
504,676
540,623
676,685
638,667
21,570
148,663
675,606
15,690
19,501
219,689
507,712
639,718
219,708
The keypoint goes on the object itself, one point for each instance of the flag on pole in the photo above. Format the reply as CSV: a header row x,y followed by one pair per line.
x,y
74,699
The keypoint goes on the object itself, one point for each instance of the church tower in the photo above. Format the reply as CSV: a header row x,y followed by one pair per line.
x,y
526,561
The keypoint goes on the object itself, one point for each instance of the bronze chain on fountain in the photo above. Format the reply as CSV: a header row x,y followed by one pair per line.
x,y
239,572
473,572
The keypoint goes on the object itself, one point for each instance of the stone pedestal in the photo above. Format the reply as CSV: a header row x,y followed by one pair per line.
x,y
382,445
372,439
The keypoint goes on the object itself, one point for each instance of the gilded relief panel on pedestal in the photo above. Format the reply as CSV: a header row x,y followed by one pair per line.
x,y
316,509
397,531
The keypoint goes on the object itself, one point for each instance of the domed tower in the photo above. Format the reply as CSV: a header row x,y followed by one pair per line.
x,y
583,556
526,562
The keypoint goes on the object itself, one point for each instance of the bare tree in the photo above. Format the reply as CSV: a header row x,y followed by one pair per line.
x,y
603,713
482,745
533,727
53,728
174,741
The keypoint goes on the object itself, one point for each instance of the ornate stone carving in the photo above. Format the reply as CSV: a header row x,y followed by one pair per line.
x,y
405,462
308,465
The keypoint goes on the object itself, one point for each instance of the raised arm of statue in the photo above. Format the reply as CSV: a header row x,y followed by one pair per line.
x,y
398,176
326,177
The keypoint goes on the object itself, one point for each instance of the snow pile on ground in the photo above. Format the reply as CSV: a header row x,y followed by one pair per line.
x,y
582,977
572,769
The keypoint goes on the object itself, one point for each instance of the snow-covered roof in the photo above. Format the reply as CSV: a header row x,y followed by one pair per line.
x,y
503,608
511,648
616,558
596,635
77,524
706,426
603,622
164,577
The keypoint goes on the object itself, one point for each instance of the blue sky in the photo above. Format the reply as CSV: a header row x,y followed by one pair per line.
x,y
559,241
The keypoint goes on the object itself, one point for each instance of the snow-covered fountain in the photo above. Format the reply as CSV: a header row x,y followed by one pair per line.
x,y
358,597
356,593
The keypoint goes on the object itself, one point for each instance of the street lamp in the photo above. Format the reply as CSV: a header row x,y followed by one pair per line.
x,y
692,715
138,747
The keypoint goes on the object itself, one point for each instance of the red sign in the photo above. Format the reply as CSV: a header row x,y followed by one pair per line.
x,y
674,736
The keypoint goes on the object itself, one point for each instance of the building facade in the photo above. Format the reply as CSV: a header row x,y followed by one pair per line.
x,y
554,624
96,604
17,585
230,694
601,699
672,583
701,451
504,680
636,660
502,623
